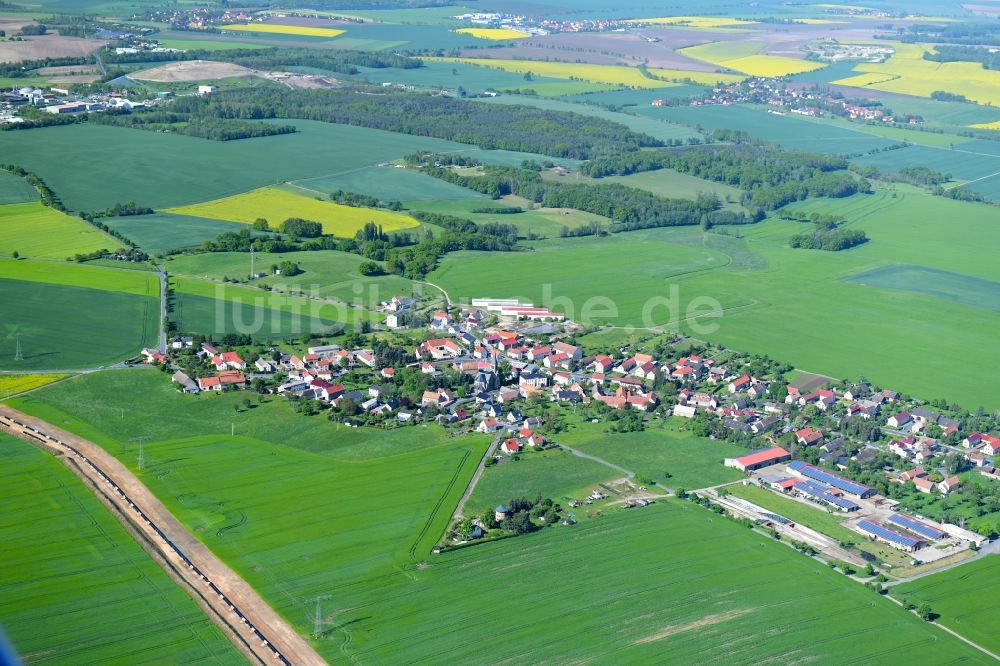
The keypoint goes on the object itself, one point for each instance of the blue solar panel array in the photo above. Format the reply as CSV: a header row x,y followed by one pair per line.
x,y
887,534
837,482
917,527
820,492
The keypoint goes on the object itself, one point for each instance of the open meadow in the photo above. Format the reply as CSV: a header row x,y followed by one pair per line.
x,y
70,316
66,558
276,206
363,516
556,474
39,232
691,462
963,598
331,273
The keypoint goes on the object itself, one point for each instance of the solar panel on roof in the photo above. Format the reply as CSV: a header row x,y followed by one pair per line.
x,y
887,534
834,480
819,492
923,529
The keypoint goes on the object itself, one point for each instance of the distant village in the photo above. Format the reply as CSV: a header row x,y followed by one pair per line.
x,y
804,101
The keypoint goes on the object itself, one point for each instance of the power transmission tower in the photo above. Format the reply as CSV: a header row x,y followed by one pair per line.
x,y
252,274
142,451
318,621
18,356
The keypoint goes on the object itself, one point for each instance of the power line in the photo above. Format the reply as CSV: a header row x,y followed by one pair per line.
x,y
18,356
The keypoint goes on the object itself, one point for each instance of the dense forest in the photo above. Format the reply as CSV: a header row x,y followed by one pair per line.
x,y
990,58
770,176
343,62
628,207
984,34
493,127
185,123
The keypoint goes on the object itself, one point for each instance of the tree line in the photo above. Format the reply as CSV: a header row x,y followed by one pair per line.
x,y
202,127
629,208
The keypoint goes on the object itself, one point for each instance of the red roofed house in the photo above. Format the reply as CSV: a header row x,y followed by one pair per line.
x,y
209,384
923,484
439,348
510,446
232,360
808,436
991,445
949,484
740,384
758,459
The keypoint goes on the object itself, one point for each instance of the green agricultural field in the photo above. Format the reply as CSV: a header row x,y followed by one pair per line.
x,y
65,556
790,132
588,271
453,75
162,232
361,521
236,166
387,184
81,275
796,305
637,586
553,473
39,232
330,273
692,462
215,308
208,45
108,317
656,126
953,287
963,597
14,189
961,164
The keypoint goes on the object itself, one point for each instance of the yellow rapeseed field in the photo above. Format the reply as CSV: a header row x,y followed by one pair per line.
x,y
744,56
494,33
14,384
299,30
990,126
276,206
695,21
907,72
611,74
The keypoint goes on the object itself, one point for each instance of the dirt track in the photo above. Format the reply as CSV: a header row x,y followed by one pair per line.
x,y
242,597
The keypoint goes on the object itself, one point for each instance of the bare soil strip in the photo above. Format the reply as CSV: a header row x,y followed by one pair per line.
x,y
251,624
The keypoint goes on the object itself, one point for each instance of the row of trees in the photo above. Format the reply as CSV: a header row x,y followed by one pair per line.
x,y
202,127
